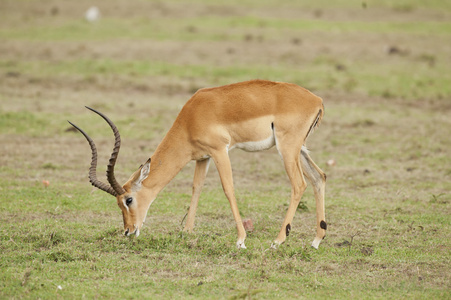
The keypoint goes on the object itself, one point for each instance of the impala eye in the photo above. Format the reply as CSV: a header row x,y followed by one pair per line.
x,y
129,201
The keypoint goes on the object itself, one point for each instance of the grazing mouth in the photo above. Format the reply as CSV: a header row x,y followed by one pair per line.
x,y
135,232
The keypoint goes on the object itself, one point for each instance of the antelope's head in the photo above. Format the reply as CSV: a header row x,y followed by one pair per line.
x,y
131,198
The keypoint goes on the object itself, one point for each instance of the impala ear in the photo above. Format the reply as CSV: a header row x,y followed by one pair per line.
x,y
144,172
138,177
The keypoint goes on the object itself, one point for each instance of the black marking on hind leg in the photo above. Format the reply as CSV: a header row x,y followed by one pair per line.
x,y
272,125
323,225
288,229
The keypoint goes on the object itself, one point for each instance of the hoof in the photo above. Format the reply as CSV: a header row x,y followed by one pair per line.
x,y
240,245
275,245
316,242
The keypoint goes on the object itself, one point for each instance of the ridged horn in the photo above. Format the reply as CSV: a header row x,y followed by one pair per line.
x,y
92,170
114,188
117,145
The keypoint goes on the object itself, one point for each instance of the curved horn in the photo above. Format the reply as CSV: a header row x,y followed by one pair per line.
x,y
92,170
117,145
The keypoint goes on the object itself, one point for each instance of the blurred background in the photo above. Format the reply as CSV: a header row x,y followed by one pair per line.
x,y
367,48
140,61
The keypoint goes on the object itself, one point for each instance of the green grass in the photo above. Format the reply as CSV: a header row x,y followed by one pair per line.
x,y
387,99
406,80
209,28
70,250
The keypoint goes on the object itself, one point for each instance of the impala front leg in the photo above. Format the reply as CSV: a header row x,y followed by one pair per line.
x,y
200,173
222,161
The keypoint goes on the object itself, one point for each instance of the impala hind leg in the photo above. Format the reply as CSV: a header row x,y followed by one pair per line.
x,y
317,179
298,185
222,161
200,172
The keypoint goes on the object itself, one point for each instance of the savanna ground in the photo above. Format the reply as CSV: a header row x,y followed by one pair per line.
x,y
383,69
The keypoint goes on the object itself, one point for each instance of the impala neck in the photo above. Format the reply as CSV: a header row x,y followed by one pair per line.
x,y
169,158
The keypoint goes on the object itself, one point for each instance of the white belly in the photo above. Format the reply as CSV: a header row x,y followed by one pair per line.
x,y
256,145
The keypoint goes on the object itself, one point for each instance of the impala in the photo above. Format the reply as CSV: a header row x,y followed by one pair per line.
x,y
252,116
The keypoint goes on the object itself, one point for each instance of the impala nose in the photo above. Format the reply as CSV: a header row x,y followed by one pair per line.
x,y
126,231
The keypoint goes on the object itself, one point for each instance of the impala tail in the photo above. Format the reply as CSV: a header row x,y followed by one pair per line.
x,y
317,121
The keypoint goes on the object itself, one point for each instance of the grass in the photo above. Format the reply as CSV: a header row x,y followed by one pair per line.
x,y
387,103
407,81
208,28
